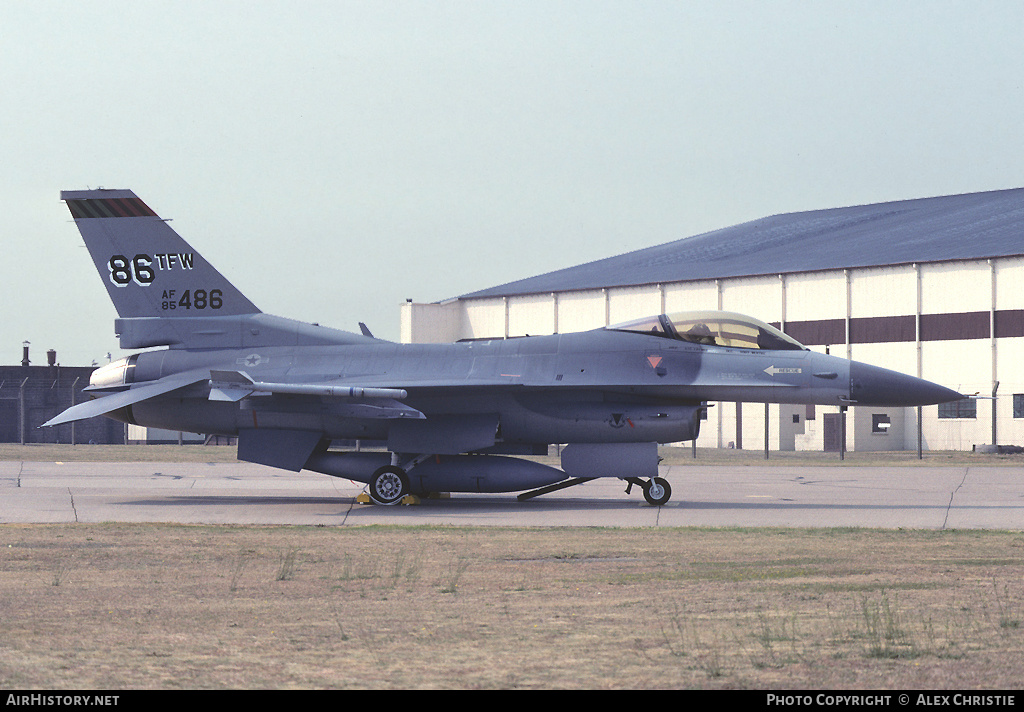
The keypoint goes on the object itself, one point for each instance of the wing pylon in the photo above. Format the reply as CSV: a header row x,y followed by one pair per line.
x,y
233,386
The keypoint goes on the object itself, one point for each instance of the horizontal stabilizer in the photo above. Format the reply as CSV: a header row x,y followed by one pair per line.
x,y
138,393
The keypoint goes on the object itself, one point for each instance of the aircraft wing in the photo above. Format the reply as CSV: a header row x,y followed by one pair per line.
x,y
137,393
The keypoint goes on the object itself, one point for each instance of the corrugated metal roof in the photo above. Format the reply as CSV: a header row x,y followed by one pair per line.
x,y
955,227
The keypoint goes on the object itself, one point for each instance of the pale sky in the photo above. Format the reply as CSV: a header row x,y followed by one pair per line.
x,y
335,158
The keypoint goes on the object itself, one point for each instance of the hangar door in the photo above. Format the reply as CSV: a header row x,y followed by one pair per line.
x,y
833,425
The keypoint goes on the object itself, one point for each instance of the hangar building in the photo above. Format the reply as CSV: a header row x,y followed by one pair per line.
x,y
932,287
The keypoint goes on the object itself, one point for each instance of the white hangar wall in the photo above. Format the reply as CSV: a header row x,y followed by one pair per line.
x,y
957,323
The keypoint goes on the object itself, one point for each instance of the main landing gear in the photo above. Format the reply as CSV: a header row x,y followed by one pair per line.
x,y
388,485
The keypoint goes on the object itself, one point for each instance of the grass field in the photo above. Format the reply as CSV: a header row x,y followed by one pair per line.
x,y
132,606
119,606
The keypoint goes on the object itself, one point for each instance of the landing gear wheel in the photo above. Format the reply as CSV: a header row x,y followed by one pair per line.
x,y
657,492
388,485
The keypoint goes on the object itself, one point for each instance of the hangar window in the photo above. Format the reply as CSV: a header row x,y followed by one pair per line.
x,y
714,328
880,423
1018,405
966,408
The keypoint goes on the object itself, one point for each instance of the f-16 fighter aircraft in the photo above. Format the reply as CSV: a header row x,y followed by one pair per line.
x,y
449,415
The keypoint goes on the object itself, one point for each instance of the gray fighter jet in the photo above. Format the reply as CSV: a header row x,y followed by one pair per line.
x,y
448,415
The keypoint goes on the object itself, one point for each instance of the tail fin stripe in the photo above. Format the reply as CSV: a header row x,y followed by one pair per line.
x,y
118,207
109,208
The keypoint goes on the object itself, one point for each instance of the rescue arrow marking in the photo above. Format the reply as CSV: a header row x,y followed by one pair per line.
x,y
773,371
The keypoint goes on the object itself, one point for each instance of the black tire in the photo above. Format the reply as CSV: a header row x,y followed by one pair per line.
x,y
388,485
657,492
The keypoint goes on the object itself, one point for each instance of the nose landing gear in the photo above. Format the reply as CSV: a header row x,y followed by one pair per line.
x,y
657,490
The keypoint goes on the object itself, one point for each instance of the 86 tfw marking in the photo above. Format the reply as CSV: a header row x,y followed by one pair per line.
x,y
141,270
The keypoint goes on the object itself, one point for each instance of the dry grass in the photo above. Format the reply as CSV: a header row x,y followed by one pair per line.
x,y
120,606
126,606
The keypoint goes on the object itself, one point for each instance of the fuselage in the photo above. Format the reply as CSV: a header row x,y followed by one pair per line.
x,y
604,385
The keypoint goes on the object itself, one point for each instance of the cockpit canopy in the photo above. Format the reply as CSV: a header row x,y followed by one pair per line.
x,y
714,328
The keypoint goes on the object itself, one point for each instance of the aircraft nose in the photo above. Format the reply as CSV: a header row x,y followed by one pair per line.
x,y
871,385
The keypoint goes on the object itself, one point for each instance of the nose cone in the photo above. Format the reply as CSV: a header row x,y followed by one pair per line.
x,y
870,385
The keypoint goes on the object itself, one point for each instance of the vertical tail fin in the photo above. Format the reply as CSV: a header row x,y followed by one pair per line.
x,y
148,269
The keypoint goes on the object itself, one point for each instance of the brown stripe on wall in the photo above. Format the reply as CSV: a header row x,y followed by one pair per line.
x,y
821,332
953,327
1009,323
882,329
